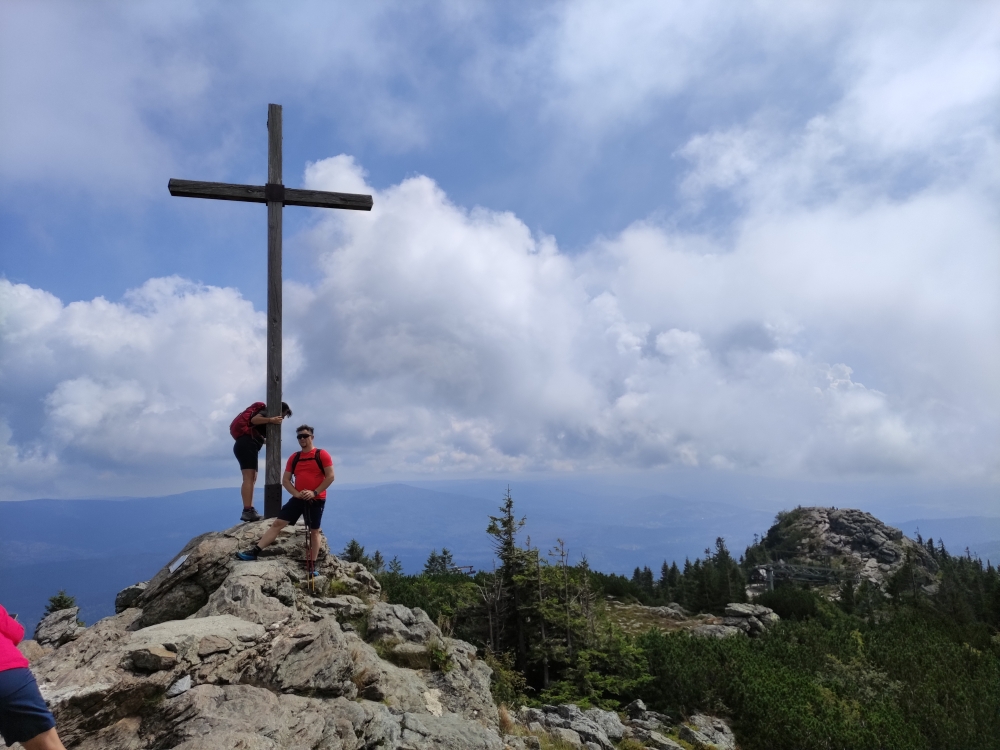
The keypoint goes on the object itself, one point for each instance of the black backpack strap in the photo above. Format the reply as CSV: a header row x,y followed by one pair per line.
x,y
316,458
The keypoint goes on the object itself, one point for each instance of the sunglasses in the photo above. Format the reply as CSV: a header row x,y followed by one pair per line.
x,y
303,436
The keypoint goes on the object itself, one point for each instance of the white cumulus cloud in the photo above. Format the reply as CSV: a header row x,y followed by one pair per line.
x,y
143,388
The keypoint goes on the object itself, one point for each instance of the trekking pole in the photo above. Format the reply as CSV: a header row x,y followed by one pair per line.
x,y
310,564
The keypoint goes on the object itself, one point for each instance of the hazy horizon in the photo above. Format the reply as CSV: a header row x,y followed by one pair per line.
x,y
745,252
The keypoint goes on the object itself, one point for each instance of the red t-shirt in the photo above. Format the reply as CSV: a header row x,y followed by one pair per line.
x,y
307,473
11,633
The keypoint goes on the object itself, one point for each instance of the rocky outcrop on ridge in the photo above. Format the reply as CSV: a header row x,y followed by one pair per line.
x,y
739,619
217,653
748,619
58,627
852,539
595,729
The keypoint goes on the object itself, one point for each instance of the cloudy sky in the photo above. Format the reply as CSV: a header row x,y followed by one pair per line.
x,y
756,238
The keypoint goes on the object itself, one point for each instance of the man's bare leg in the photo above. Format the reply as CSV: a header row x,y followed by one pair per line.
x,y
45,741
314,544
246,489
272,533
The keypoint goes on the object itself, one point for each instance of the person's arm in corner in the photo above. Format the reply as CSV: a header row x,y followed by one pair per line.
x,y
327,480
10,628
286,482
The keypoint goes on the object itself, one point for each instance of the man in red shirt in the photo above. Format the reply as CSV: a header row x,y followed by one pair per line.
x,y
308,494
24,717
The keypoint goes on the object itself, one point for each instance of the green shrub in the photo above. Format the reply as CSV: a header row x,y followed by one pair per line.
x,y
790,603
507,684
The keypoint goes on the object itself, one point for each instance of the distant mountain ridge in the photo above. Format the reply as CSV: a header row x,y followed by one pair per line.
x,y
95,547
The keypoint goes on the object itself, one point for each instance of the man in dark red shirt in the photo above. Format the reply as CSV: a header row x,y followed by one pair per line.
x,y
312,468
247,449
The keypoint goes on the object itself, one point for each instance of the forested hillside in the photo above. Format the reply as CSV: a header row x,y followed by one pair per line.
x,y
898,654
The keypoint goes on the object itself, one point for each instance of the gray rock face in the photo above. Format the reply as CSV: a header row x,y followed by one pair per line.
x,y
574,719
659,742
858,541
635,709
260,592
709,732
741,609
32,650
594,728
312,659
446,732
752,619
608,721
181,686
153,659
396,622
716,631
567,724
223,653
566,736
58,628
342,606
127,597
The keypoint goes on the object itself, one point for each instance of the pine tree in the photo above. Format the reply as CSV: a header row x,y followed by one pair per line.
x,y
663,584
59,601
438,564
513,561
354,552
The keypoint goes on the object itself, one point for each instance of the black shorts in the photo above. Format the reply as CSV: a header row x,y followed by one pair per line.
x,y
23,713
247,452
313,511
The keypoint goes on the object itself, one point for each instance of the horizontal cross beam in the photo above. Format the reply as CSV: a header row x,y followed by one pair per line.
x,y
259,194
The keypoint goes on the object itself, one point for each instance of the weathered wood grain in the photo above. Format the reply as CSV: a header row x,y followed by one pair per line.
x,y
255,194
272,464
322,199
223,191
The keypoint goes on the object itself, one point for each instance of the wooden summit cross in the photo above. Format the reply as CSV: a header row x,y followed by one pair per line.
x,y
275,195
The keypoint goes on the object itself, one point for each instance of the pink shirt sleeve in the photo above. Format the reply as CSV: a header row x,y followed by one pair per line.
x,y
10,628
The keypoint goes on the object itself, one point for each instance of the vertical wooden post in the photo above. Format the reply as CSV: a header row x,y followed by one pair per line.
x,y
275,200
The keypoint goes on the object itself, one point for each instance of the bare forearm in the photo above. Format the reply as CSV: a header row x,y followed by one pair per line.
x,y
261,419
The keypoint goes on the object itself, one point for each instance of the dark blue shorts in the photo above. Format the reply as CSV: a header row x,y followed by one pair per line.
x,y
313,511
23,713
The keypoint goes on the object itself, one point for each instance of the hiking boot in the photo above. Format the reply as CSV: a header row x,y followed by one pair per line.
x,y
250,555
250,514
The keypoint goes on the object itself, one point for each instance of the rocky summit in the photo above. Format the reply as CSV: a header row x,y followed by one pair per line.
x,y
850,539
217,653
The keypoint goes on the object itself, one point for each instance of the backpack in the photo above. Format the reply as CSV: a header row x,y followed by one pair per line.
x,y
319,461
241,425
